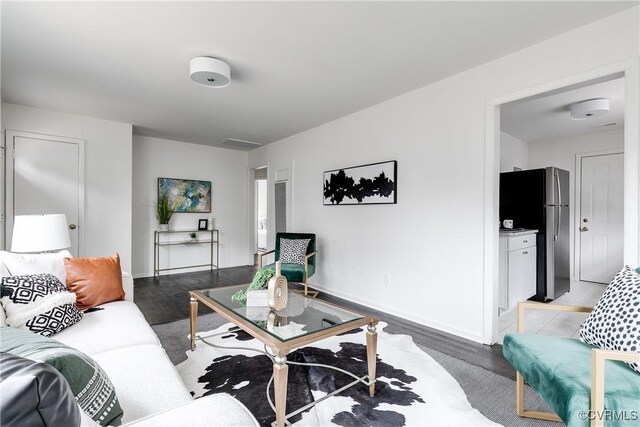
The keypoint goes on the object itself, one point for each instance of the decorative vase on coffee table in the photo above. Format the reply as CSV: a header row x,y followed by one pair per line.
x,y
278,289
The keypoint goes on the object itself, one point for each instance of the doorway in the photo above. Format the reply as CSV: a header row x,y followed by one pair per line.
x,y
45,175
629,71
600,220
261,220
281,206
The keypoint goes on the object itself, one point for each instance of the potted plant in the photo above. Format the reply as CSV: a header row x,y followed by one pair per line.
x,y
260,281
193,236
163,212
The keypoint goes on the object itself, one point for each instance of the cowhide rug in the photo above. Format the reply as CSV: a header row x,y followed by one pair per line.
x,y
411,388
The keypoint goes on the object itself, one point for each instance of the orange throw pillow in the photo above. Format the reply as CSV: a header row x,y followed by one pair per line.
x,y
95,281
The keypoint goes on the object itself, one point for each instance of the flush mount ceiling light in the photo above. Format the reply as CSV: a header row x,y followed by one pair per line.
x,y
210,72
588,109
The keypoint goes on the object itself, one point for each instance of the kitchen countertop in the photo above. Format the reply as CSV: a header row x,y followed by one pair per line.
x,y
516,232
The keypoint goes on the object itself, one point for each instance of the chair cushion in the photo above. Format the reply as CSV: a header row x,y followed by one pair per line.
x,y
614,323
146,381
114,325
207,411
39,303
292,251
294,272
559,369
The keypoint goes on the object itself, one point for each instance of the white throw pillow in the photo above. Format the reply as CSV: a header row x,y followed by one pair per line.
x,y
292,251
3,270
23,264
3,315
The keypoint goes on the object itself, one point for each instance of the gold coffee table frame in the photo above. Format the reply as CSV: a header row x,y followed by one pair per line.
x,y
281,348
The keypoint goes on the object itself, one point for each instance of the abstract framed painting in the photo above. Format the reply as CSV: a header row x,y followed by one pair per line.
x,y
371,184
186,195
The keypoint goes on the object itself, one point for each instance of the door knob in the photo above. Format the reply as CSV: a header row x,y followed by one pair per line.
x,y
583,229
72,226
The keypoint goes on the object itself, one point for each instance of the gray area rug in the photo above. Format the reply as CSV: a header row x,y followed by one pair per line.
x,y
491,394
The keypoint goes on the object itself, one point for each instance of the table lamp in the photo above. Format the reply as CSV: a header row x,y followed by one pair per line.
x,y
40,233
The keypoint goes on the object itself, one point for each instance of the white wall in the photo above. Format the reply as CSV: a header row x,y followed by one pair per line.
x,y
562,152
107,173
431,244
227,171
514,153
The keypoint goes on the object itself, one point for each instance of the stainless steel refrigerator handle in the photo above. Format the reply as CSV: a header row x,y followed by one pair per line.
x,y
557,175
557,230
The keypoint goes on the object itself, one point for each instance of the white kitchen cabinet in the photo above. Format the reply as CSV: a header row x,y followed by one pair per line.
x,y
517,268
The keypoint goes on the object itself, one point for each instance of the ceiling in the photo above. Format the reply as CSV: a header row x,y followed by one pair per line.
x,y
294,65
546,117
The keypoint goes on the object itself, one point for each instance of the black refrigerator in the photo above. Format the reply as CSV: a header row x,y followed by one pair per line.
x,y
539,199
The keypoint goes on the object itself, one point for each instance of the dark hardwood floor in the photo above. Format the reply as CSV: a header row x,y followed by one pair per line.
x,y
167,299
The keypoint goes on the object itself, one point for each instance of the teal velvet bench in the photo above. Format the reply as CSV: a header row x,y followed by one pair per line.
x,y
569,376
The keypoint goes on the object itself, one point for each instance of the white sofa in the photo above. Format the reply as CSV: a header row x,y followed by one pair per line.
x,y
148,386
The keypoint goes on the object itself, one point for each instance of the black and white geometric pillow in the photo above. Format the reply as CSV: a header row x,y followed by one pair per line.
x,y
614,323
39,303
292,251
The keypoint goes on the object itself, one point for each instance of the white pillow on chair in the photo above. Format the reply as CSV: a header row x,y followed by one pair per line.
x,y
292,251
614,322
23,264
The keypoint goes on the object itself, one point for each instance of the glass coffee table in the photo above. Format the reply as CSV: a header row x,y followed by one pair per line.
x,y
304,321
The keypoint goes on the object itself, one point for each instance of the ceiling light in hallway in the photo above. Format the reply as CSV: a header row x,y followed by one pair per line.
x,y
588,109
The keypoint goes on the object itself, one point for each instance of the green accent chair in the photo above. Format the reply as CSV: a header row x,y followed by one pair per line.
x,y
569,376
295,272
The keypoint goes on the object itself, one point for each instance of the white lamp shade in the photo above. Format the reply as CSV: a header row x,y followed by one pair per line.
x,y
40,233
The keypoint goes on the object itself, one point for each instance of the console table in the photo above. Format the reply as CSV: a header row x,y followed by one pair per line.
x,y
211,239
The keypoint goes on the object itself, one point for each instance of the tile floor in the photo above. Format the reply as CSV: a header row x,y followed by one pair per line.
x,y
560,324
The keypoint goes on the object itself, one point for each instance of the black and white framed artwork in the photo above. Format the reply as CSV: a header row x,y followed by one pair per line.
x,y
371,184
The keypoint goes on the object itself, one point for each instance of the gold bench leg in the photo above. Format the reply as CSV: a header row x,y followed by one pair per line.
x,y
547,416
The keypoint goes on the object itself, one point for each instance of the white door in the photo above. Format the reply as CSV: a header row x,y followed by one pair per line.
x,y
601,217
45,175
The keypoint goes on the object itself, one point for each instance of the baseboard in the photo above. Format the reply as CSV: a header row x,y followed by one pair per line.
x,y
164,273
408,316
